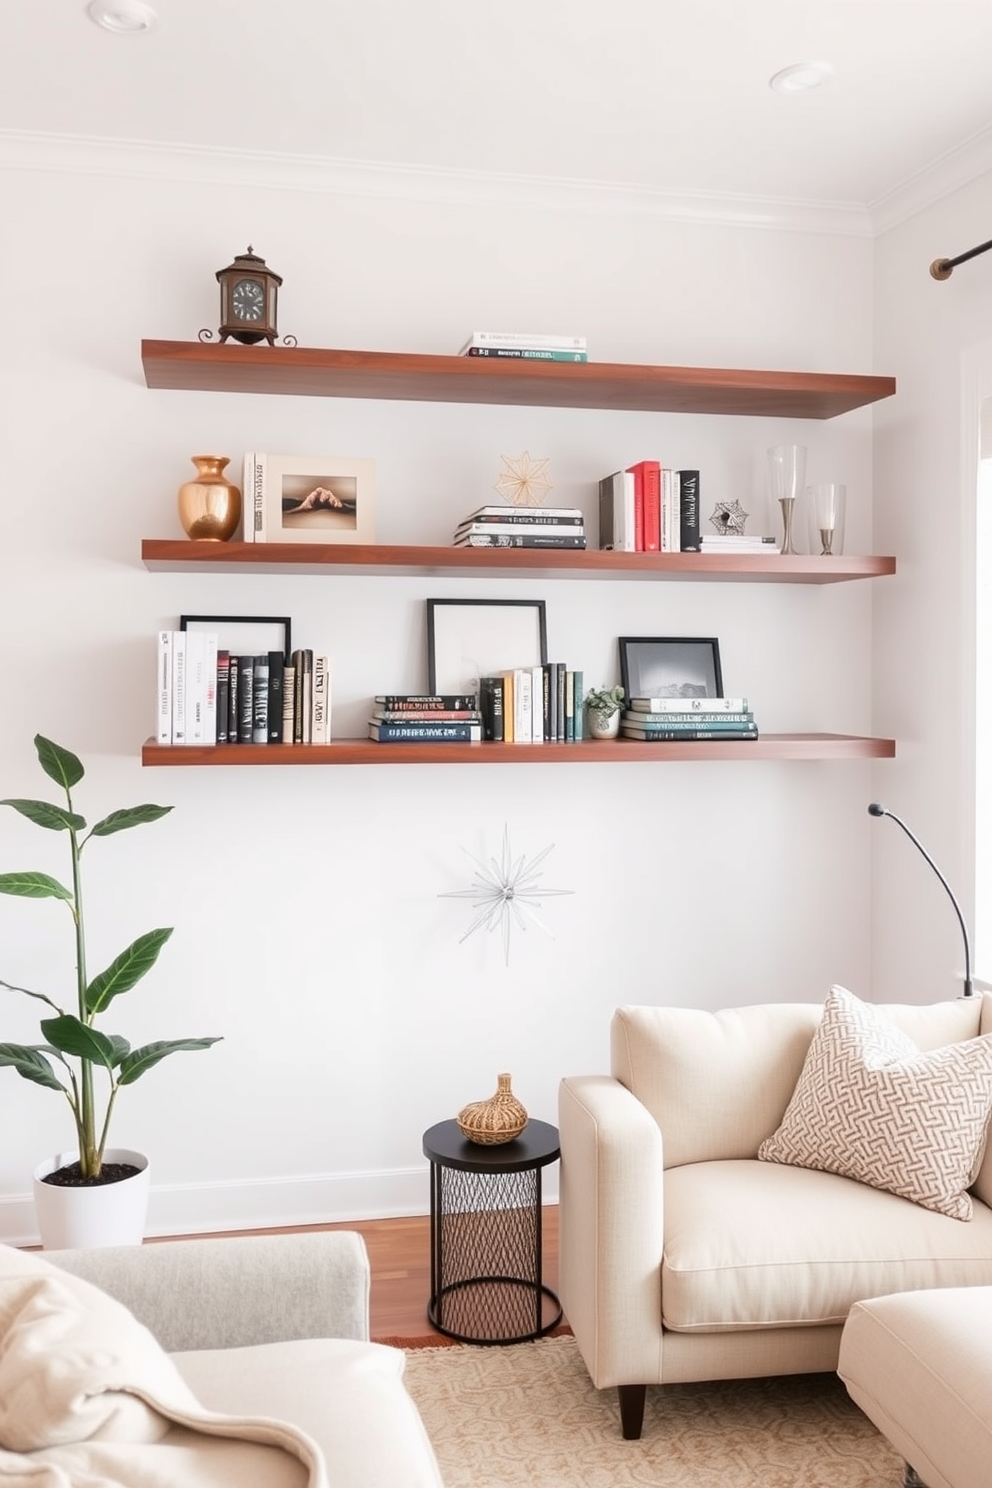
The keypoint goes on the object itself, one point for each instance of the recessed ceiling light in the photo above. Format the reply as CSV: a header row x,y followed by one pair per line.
x,y
123,17
800,77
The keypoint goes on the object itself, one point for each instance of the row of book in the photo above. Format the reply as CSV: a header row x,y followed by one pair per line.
x,y
649,508
662,720
209,695
524,705
522,527
531,346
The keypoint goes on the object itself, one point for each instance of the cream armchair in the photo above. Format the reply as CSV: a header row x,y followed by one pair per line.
x,y
682,1256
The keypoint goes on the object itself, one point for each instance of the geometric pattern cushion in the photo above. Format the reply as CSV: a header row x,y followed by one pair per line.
x,y
869,1105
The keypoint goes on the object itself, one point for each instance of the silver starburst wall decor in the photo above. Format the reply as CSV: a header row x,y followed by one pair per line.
x,y
505,893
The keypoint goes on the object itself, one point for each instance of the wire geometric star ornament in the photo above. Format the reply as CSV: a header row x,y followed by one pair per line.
x,y
729,516
523,482
504,894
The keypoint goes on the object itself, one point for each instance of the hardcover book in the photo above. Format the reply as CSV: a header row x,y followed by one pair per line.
x,y
277,679
425,733
246,698
425,702
288,703
686,722
260,699
163,698
671,735
179,687
223,694
539,539
547,340
528,353
689,510
688,705
320,733
495,513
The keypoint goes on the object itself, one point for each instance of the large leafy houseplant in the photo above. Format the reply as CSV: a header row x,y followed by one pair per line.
x,y
73,1041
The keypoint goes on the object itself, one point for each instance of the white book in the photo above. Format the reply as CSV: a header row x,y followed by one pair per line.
x,y
544,340
254,499
537,705
687,705
260,699
247,508
319,728
179,686
671,523
288,703
210,687
196,687
163,693
629,540
521,705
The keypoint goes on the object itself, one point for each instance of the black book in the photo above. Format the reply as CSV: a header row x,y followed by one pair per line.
x,y
277,672
223,694
233,675
260,700
491,706
246,697
689,510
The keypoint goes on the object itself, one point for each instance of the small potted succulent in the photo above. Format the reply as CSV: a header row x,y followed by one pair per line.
x,y
603,705
75,1051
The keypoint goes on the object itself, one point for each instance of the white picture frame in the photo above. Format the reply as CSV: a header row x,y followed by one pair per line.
x,y
283,485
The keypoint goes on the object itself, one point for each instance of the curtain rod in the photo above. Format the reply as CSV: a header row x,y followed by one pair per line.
x,y
941,268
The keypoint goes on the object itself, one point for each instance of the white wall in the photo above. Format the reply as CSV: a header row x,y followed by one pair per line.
x,y
309,931
939,337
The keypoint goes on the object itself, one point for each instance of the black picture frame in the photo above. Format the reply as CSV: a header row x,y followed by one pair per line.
x,y
671,666
472,638
246,635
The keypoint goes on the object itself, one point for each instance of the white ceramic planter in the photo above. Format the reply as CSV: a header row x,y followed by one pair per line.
x,y
91,1218
603,728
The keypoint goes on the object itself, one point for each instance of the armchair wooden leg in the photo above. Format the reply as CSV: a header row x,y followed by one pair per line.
x,y
632,1410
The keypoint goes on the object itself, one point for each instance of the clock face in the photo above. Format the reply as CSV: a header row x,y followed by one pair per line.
x,y
248,300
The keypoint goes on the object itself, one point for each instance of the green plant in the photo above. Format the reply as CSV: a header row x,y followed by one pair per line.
x,y
72,1036
604,700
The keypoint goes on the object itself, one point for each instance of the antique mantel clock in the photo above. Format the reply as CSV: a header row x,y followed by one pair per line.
x,y
248,295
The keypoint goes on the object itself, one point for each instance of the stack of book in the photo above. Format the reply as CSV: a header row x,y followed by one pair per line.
x,y
531,346
649,508
418,718
522,527
209,695
663,719
532,705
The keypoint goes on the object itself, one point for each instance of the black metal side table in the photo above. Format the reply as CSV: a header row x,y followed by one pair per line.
x,y
486,1283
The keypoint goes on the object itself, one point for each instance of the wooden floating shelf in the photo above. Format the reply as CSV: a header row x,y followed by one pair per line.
x,y
184,556
308,371
591,751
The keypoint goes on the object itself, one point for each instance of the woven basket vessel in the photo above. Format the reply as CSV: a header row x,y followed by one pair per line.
x,y
498,1119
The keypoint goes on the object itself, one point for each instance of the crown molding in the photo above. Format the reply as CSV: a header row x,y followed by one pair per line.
x,y
88,155
948,173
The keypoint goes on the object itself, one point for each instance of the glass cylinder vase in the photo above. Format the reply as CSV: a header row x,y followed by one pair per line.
x,y
826,508
786,477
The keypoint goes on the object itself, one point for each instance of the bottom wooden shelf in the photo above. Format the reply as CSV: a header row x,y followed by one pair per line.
x,y
589,751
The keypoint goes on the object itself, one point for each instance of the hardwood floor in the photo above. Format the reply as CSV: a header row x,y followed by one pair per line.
x,y
399,1255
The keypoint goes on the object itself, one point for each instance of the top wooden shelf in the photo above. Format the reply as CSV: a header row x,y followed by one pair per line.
x,y
308,371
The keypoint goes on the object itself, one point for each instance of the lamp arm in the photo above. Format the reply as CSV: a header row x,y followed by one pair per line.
x,y
876,810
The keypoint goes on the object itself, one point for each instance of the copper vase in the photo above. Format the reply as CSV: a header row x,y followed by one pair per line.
x,y
210,505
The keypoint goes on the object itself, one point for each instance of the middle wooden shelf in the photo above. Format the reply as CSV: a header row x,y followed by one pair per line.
x,y
180,555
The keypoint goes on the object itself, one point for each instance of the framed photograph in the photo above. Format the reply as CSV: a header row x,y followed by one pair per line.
x,y
671,667
245,635
313,499
472,638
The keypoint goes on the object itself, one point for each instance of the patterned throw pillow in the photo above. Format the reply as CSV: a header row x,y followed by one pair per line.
x,y
869,1105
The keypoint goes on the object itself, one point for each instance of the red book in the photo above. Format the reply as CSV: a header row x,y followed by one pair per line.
x,y
647,505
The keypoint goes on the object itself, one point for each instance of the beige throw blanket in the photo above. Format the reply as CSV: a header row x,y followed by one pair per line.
x,y
88,1399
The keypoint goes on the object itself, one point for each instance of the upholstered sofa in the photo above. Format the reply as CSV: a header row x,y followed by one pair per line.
x,y
683,1256
259,1371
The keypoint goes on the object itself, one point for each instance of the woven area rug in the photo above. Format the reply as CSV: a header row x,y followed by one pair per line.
x,y
528,1415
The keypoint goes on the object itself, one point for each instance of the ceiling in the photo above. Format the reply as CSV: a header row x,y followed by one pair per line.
x,y
664,96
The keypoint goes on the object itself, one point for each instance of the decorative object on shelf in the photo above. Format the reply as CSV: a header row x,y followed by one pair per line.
x,y
494,1121
826,508
309,499
671,666
603,706
210,504
72,1036
729,517
472,638
786,476
249,291
504,894
524,481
